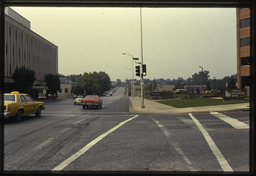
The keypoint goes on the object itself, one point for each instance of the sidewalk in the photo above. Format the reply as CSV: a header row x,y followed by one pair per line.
x,y
158,108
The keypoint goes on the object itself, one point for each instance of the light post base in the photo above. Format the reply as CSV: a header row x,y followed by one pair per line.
x,y
143,106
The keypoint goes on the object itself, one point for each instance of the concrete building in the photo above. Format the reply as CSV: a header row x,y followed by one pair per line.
x,y
25,48
243,47
65,88
165,87
194,88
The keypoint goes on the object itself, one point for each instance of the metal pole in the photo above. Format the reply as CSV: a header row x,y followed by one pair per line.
x,y
201,77
132,83
141,82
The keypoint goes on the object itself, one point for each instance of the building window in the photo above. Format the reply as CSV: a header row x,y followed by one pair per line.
x,y
66,90
245,61
245,23
245,42
60,91
21,36
6,49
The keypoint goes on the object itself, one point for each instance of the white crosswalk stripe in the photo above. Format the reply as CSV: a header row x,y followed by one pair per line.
x,y
233,122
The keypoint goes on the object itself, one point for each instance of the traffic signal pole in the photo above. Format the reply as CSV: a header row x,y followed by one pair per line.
x,y
141,81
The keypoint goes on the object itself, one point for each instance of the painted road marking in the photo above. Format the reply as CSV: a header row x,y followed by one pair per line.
x,y
66,129
72,158
44,143
175,145
78,121
231,121
220,158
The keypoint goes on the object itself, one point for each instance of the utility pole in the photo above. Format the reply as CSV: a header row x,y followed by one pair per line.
x,y
201,77
141,81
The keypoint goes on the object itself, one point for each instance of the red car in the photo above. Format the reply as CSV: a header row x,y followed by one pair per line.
x,y
91,101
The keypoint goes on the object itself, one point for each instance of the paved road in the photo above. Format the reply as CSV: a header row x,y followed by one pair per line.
x,y
69,138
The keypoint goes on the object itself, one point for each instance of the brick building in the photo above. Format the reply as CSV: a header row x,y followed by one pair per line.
x,y
243,47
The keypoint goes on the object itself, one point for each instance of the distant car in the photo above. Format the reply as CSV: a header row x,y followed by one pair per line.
x,y
78,96
92,101
77,101
18,104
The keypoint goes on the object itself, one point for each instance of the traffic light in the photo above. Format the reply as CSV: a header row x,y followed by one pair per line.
x,y
144,70
137,70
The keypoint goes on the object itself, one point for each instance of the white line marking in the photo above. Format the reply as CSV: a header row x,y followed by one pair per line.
x,y
175,145
222,161
65,163
44,143
78,121
231,121
66,129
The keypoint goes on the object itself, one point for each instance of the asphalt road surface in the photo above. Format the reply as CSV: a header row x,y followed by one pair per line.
x,y
70,138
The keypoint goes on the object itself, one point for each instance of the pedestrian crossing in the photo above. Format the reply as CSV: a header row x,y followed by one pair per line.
x,y
231,121
237,121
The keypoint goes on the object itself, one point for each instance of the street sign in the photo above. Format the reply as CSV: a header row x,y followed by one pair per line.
x,y
234,94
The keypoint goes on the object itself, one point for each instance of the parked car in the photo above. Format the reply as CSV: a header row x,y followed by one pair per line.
x,y
17,104
92,101
77,101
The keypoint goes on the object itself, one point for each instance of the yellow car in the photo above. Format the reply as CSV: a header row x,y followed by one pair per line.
x,y
18,104
77,101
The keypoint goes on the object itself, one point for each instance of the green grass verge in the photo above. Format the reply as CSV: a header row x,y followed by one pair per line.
x,y
185,103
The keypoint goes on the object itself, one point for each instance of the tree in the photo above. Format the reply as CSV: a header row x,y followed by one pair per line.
x,y
231,81
24,79
95,83
179,83
154,85
104,82
196,78
77,90
53,84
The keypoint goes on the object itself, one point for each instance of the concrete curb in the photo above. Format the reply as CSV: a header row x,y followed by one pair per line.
x,y
158,108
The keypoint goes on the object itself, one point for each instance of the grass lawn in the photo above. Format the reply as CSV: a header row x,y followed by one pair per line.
x,y
185,103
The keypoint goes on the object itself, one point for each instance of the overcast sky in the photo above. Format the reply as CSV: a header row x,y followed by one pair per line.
x,y
176,41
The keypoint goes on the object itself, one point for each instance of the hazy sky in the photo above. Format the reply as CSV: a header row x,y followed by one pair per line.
x,y
176,41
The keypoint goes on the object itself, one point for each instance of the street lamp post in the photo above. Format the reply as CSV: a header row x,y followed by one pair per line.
x,y
201,77
141,82
132,82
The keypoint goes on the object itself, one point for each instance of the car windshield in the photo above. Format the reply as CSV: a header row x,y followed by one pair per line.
x,y
9,98
89,97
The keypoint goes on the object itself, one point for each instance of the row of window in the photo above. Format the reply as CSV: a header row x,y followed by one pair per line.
x,y
21,37
66,90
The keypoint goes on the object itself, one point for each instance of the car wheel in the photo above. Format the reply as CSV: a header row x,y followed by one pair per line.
x,y
83,107
19,115
38,112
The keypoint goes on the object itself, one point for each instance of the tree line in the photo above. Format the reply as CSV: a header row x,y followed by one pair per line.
x,y
24,80
196,79
88,83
